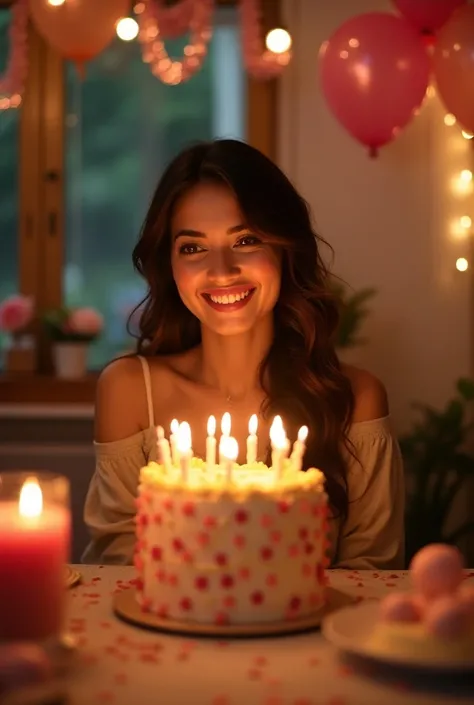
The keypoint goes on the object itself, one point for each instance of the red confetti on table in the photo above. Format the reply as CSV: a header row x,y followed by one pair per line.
x,y
121,678
106,696
254,674
221,700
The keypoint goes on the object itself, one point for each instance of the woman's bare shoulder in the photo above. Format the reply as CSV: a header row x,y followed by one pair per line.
x,y
370,395
120,407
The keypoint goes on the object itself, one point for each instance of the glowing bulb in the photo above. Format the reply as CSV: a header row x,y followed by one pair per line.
x,y
31,499
56,3
278,41
467,135
449,120
465,222
127,29
466,176
462,264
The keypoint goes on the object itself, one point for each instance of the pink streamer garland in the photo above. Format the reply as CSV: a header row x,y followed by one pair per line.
x,y
169,71
260,64
12,83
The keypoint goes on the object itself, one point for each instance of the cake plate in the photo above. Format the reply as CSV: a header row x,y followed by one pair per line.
x,y
126,607
350,630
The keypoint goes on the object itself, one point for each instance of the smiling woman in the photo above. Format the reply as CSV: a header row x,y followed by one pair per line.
x,y
239,312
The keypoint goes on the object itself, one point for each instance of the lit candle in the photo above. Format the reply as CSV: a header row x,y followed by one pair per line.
x,y
299,448
226,424
183,445
229,449
252,440
164,456
34,549
211,444
173,441
279,446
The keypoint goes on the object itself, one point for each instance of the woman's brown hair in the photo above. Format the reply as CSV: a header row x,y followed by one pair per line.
x,y
301,375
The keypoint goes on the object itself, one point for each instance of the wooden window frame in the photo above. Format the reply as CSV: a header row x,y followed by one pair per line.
x,y
41,195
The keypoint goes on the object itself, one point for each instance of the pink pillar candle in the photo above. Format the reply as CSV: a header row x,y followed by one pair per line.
x,y
34,549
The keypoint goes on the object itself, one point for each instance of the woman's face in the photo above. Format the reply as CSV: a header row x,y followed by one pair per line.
x,y
227,276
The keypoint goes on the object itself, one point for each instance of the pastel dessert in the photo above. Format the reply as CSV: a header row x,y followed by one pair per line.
x,y
222,543
435,620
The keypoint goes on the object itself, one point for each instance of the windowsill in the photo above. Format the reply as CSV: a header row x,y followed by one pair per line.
x,y
24,394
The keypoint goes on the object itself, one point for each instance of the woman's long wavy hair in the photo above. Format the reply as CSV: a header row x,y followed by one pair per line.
x,y
301,374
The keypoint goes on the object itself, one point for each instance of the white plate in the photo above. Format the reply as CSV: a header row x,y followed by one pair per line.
x,y
349,629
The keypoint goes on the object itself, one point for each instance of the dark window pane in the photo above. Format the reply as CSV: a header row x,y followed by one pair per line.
x,y
123,126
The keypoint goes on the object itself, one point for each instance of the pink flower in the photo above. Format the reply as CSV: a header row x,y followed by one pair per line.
x,y
16,312
85,321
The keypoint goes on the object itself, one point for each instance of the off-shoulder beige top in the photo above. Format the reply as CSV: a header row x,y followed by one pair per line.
x,y
372,535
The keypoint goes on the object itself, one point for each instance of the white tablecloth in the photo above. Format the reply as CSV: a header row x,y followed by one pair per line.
x,y
119,664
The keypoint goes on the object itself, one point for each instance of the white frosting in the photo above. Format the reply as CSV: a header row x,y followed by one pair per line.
x,y
252,550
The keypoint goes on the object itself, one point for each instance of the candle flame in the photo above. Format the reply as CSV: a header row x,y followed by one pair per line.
x,y
277,433
211,426
184,438
253,424
303,434
174,426
226,424
230,448
31,499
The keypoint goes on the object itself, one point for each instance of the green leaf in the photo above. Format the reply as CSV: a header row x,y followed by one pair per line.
x,y
465,388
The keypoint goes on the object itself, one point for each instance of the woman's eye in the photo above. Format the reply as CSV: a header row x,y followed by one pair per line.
x,y
248,241
189,249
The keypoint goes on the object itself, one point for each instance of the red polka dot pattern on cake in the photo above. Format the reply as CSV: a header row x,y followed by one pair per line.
x,y
231,562
241,516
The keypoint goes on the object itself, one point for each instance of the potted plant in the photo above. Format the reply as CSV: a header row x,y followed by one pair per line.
x,y
352,311
438,466
16,315
71,331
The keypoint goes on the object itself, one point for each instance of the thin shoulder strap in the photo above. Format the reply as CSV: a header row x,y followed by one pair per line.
x,y
147,378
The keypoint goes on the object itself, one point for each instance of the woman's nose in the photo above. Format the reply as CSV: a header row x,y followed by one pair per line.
x,y
223,263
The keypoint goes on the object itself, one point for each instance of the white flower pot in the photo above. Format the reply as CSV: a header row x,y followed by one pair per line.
x,y
70,360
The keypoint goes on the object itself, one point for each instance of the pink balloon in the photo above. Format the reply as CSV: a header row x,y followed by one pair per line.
x,y
453,63
81,29
427,16
374,75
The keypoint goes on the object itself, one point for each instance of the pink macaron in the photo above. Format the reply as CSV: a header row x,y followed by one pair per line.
x,y
437,569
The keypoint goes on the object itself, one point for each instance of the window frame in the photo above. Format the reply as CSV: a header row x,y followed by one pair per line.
x,y
41,202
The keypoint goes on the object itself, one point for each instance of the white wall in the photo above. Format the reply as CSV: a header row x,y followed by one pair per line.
x,y
387,219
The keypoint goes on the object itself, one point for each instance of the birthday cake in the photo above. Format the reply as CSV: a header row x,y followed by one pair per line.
x,y
435,620
221,543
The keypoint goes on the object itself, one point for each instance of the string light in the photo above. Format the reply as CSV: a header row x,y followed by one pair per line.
x,y
465,221
449,119
467,135
278,40
462,264
56,3
127,29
